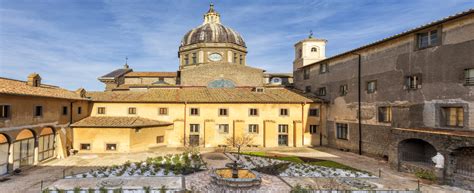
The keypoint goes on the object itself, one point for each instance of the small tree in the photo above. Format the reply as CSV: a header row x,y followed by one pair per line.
x,y
240,141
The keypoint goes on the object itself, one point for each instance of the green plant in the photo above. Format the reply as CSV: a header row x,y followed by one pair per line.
x,y
425,174
91,190
147,189
103,190
60,190
45,190
76,190
300,189
119,190
163,189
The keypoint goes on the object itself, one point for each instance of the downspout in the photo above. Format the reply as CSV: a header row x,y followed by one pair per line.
x,y
184,132
302,123
359,101
321,124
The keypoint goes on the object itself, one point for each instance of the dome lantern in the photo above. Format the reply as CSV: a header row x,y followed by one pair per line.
x,y
212,16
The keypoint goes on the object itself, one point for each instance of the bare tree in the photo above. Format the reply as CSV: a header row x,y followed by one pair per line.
x,y
239,141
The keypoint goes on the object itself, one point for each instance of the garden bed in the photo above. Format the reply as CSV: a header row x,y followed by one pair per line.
x,y
169,165
291,166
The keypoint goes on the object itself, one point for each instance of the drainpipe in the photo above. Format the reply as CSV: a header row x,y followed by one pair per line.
x,y
359,101
184,133
302,123
70,113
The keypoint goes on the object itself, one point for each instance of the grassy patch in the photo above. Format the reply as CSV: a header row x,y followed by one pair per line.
x,y
332,164
295,159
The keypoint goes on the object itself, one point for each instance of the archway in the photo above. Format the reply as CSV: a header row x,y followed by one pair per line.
x,y
24,149
4,148
46,144
416,151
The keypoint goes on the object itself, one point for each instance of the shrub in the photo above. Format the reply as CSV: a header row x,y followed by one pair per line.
x,y
103,190
300,189
163,189
147,189
425,174
91,190
76,190
119,190
45,190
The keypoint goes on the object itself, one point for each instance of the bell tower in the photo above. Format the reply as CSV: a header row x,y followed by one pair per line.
x,y
308,51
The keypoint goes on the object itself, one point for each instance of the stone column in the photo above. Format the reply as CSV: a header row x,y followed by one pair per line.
x,y
36,153
10,158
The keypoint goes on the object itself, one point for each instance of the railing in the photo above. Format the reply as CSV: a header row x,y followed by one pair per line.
x,y
469,81
465,169
416,157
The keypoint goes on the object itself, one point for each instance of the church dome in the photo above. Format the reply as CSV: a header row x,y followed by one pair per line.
x,y
212,31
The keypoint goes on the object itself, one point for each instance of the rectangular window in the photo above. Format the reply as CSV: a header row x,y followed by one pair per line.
x,y
469,76
132,110
453,116
343,90
223,128
323,68
235,57
194,111
342,130
306,73
160,139
313,129
194,128
371,86
79,110
38,111
4,111
161,79
428,39
194,58
223,112
186,59
64,110
85,146
322,91
307,89
163,111
110,146
253,112
314,112
413,82
101,110
253,128
282,128
284,112
241,59
385,114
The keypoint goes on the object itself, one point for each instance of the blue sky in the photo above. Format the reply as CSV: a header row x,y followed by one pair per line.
x,y
72,42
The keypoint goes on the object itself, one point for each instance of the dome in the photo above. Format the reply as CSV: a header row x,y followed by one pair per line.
x,y
212,31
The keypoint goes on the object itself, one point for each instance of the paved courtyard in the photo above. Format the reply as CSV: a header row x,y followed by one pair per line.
x,y
51,173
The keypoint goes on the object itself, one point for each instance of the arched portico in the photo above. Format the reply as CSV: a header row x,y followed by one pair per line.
x,y
46,144
4,149
24,149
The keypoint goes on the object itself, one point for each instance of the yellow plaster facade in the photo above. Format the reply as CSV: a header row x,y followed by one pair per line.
x,y
238,119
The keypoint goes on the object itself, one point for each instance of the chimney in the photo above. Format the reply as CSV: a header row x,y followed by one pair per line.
x,y
34,80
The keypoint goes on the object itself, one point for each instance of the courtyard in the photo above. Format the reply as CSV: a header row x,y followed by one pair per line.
x,y
77,171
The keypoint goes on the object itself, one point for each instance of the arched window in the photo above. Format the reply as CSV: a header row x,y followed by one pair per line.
x,y
313,49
